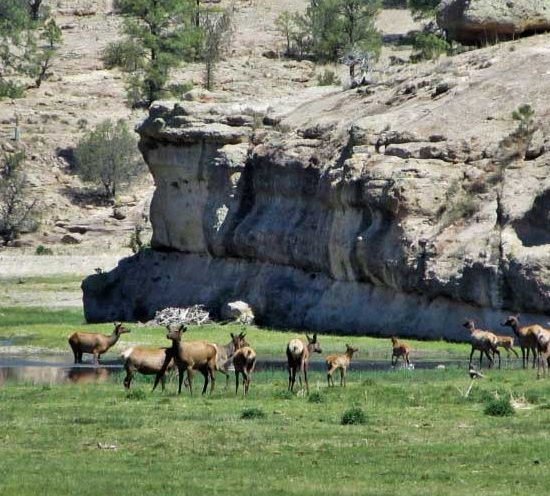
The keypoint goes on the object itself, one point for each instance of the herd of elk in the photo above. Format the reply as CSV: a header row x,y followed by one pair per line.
x,y
208,358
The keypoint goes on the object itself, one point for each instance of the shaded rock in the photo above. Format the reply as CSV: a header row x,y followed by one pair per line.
x,y
71,239
482,21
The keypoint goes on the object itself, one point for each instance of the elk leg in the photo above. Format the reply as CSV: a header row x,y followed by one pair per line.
x,y
290,378
471,355
180,379
205,385
515,352
212,380
534,356
304,372
128,378
481,358
498,353
163,382
246,382
237,383
342,377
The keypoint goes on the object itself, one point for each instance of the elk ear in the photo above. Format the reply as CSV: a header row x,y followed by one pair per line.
x,y
182,328
242,335
232,335
308,339
315,337
117,324
168,327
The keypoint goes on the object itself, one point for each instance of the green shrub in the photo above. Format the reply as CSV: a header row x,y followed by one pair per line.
x,y
9,89
136,394
328,78
253,413
125,54
428,46
42,250
354,416
107,156
499,407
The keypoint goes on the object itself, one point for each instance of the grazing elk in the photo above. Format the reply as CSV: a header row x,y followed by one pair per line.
x,y
341,362
191,355
244,361
297,354
399,349
483,341
526,338
96,344
146,361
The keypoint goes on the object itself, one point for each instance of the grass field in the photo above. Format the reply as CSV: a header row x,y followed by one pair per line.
x,y
421,437
48,329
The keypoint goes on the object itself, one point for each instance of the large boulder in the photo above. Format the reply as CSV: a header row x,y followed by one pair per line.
x,y
482,21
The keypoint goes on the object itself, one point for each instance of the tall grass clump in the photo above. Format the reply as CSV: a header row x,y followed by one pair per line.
x,y
499,407
354,416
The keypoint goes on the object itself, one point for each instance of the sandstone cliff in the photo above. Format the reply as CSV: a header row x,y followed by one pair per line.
x,y
404,206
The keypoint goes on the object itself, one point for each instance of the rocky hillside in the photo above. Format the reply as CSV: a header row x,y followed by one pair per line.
x,y
402,206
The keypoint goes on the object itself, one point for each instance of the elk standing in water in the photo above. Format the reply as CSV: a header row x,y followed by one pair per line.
x,y
526,338
297,354
399,349
96,344
191,355
341,362
484,341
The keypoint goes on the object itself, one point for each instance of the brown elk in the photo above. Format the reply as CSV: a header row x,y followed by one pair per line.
x,y
483,341
244,361
297,354
96,344
146,361
189,356
339,362
507,343
526,338
225,354
543,347
399,349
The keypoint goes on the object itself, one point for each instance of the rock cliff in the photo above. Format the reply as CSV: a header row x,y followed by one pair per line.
x,y
401,207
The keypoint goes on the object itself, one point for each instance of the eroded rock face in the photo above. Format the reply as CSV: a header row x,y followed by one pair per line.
x,y
487,21
348,215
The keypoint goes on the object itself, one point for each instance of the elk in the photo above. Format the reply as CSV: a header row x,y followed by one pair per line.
x,y
507,343
399,349
146,361
96,344
341,362
526,338
225,354
483,341
543,347
191,355
244,361
297,354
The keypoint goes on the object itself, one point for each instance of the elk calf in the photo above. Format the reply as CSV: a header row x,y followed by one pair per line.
x,y
244,361
399,349
341,362
96,344
191,355
226,353
146,361
543,347
297,354
506,342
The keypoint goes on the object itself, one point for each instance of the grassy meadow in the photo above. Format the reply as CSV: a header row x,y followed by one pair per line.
x,y
420,435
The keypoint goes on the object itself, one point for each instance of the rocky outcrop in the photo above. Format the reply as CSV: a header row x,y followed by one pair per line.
x,y
381,213
487,21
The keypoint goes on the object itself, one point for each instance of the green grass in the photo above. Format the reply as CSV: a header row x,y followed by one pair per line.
x,y
49,329
422,437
